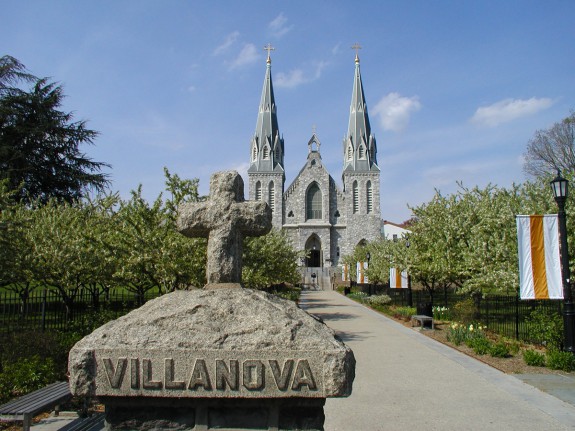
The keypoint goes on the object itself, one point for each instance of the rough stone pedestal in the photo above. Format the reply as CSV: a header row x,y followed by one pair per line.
x,y
213,359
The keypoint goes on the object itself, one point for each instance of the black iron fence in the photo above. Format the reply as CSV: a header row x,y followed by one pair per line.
x,y
506,315
44,309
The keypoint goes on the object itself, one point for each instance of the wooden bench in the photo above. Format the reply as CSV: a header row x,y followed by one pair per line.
x,y
27,406
422,319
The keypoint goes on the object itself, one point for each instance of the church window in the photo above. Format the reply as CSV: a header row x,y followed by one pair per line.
x,y
369,198
290,214
272,196
336,213
313,202
277,152
355,197
361,152
254,153
266,154
258,191
349,152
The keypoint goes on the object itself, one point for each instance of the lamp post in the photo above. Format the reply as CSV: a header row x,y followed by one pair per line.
x,y
560,192
409,293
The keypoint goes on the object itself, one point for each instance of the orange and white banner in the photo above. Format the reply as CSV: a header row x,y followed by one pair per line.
x,y
397,279
362,272
539,259
345,272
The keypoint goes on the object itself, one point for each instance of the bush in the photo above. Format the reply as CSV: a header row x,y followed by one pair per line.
x,y
464,311
499,350
558,360
480,345
533,358
405,312
380,300
26,375
358,295
546,328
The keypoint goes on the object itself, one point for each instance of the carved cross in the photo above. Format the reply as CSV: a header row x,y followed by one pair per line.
x,y
225,219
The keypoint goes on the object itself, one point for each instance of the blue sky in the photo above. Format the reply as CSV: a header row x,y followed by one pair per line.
x,y
455,89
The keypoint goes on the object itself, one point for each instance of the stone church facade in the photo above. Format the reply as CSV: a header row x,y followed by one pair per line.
x,y
319,216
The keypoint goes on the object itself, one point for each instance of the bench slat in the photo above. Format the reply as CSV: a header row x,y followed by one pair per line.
x,y
38,400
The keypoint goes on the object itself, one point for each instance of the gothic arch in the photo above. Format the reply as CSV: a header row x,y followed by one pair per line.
x,y
313,202
313,250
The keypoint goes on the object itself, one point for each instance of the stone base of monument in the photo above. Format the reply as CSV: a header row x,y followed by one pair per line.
x,y
206,414
224,358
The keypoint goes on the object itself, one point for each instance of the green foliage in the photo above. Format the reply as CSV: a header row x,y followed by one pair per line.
x,y
39,144
534,358
441,313
358,296
464,311
26,375
480,345
500,350
560,360
378,300
405,312
546,328
269,260
458,333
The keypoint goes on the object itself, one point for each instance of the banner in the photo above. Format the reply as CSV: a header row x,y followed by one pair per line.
x,y
397,279
361,272
345,272
539,259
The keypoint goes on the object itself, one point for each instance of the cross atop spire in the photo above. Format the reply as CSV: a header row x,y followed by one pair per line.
x,y
269,48
357,47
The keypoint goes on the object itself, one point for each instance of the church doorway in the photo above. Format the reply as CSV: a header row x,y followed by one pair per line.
x,y
314,252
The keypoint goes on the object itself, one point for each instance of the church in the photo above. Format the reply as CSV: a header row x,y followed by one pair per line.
x,y
319,216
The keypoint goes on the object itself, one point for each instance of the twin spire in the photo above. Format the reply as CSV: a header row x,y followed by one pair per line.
x,y
267,147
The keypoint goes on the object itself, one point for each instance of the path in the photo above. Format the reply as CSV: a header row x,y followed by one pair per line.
x,y
407,381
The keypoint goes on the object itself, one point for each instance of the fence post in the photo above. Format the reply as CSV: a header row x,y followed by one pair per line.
x,y
44,310
517,317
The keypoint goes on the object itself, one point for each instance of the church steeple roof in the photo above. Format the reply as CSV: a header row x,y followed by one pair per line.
x,y
267,147
359,144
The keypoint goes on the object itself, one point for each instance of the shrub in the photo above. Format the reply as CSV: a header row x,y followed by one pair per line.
x,y
358,295
546,327
405,312
499,350
378,300
480,345
464,311
26,375
559,360
533,358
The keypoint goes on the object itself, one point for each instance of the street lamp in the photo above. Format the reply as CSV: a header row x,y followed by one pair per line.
x,y
560,191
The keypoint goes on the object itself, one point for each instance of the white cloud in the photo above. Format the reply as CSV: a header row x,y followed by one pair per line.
x,y
247,55
394,111
230,39
278,26
292,79
509,110
297,76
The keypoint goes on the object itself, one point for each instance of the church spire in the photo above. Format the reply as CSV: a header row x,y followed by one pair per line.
x,y
267,147
359,146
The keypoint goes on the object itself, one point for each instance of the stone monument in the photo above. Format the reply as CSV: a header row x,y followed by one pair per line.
x,y
221,357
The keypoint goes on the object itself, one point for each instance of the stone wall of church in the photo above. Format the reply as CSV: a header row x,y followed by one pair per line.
x,y
267,181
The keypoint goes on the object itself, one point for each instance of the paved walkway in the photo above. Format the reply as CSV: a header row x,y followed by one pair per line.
x,y
407,381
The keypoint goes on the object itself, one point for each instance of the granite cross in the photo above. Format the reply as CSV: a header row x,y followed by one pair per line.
x,y
225,218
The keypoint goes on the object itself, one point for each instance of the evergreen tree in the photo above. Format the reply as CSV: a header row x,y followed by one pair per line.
x,y
40,152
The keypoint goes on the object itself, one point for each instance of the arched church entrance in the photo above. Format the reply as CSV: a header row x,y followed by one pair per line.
x,y
314,253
